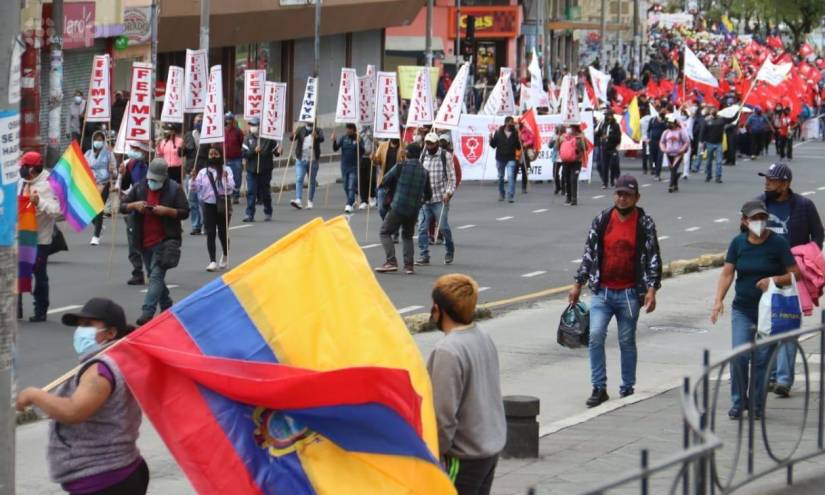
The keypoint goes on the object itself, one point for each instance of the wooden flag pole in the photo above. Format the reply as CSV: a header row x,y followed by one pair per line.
x,y
226,202
286,167
357,163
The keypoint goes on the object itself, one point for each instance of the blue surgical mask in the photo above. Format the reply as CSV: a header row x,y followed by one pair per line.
x,y
85,340
97,144
154,185
197,126
134,155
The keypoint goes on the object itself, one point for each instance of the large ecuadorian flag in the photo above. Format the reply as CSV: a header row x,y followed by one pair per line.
x,y
291,374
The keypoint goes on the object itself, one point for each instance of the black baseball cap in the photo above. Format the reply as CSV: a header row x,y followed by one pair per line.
x,y
778,171
105,310
754,207
627,183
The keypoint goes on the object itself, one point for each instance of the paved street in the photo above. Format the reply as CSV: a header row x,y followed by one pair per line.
x,y
511,249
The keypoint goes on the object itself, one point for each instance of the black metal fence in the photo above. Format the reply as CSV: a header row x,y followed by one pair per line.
x,y
697,467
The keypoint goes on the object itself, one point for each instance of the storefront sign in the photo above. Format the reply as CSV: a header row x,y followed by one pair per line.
x,y
99,101
78,24
253,93
346,110
173,98
9,173
212,129
137,24
490,22
386,107
273,121
139,123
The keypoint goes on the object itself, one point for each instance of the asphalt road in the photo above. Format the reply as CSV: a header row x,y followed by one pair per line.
x,y
510,249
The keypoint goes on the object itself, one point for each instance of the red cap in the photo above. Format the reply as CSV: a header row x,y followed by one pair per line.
x,y
31,159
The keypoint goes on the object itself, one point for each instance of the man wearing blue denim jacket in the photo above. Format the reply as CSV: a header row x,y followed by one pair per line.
x,y
351,148
623,269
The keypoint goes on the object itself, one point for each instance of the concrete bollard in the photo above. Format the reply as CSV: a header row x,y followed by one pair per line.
x,y
522,428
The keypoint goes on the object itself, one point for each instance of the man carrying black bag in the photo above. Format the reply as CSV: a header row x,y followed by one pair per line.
x,y
622,266
157,206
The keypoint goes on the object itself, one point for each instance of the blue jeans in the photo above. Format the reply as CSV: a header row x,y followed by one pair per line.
x,y
349,175
194,207
743,331
510,168
427,212
236,165
381,194
301,169
257,187
624,304
714,151
785,364
157,294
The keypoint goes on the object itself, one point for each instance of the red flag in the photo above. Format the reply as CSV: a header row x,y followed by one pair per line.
x,y
529,119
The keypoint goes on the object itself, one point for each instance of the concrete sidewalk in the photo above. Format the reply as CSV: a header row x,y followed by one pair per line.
x,y
670,343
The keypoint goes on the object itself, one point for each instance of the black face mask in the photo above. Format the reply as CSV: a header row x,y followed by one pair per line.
x,y
215,161
625,211
772,195
27,173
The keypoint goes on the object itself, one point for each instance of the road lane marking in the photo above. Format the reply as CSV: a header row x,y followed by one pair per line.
x,y
170,286
482,289
370,246
664,237
501,219
540,210
408,309
63,309
576,261
534,274
807,193
821,188
692,229
468,226
721,220
244,226
646,185
600,196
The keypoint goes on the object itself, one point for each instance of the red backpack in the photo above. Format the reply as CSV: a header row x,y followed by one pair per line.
x,y
569,149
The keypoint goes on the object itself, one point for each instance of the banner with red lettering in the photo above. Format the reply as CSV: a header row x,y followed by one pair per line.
x,y
195,81
273,116
253,83
478,159
346,111
139,123
309,105
386,107
450,111
99,102
172,111
421,105
212,128
366,97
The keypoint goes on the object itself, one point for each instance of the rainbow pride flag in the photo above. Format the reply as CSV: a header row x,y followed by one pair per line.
x,y
291,374
26,243
74,186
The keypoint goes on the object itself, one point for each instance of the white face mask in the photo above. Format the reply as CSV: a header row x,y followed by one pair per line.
x,y
756,227
568,131
78,99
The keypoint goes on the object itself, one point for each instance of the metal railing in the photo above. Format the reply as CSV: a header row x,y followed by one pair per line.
x,y
697,466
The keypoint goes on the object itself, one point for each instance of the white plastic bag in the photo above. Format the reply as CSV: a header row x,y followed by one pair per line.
x,y
779,309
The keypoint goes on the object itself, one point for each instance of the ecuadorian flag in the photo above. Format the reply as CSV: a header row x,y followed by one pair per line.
x,y
632,120
291,374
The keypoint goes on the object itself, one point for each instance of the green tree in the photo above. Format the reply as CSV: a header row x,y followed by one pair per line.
x,y
801,16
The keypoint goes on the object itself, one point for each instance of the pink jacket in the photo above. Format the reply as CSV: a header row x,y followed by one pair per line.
x,y
811,265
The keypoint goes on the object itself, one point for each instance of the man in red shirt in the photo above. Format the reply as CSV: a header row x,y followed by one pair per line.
x,y
233,140
623,269
157,206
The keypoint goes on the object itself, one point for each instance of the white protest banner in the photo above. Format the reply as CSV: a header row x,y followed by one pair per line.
x,y
600,83
386,107
570,111
478,160
346,110
253,93
421,105
99,102
494,101
120,142
696,70
273,116
212,128
366,99
773,74
139,123
450,111
172,111
195,81
539,98
309,105
508,99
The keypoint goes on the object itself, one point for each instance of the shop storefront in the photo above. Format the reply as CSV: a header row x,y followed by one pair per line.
x,y
496,32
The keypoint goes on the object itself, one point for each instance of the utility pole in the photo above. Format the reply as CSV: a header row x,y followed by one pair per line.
x,y
637,41
428,43
154,49
9,24
602,29
204,31
457,31
618,51
317,69
55,83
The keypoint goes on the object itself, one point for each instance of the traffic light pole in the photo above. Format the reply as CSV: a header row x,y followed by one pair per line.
x,y
428,46
457,31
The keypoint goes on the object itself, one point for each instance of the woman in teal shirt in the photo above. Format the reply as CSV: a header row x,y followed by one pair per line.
x,y
756,255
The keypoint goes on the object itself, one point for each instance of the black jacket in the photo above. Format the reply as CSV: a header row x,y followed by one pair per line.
x,y
804,224
609,135
714,129
268,152
299,142
505,146
171,195
191,151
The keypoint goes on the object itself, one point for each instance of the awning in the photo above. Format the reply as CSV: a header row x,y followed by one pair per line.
x,y
412,44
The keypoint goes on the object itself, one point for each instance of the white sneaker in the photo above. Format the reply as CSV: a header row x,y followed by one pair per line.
x,y
95,241
296,204
372,202
362,206
222,262
309,205
347,209
212,266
